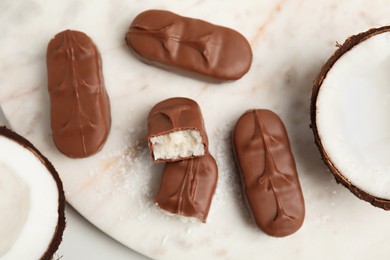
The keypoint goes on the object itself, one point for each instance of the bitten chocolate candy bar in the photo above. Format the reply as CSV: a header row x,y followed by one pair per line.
x,y
170,40
187,187
176,130
268,171
80,108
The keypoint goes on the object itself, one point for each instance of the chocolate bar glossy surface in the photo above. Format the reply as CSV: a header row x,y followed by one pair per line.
x,y
169,40
187,187
80,107
269,175
172,115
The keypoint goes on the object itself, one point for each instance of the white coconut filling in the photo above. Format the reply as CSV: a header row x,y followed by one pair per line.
x,y
353,115
178,144
38,214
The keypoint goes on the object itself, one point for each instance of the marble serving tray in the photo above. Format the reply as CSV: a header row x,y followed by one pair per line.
x,y
115,189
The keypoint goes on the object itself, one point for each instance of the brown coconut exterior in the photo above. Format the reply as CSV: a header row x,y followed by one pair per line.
x,y
57,237
345,47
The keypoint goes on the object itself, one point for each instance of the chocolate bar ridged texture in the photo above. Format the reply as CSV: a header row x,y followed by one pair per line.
x,y
175,114
187,187
80,107
268,172
170,40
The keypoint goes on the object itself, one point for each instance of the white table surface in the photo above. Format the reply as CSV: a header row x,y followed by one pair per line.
x,y
82,240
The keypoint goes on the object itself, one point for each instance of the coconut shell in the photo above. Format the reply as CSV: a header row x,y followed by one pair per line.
x,y
345,47
57,237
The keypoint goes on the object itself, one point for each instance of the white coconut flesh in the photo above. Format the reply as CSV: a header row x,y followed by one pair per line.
x,y
28,203
353,115
178,144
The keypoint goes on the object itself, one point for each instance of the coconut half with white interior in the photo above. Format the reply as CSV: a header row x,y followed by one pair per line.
x,y
32,201
350,115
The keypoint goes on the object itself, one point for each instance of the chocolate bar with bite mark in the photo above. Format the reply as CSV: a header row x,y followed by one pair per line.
x,y
176,130
187,187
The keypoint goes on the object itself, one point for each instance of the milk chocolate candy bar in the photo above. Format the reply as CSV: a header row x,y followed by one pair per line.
x,y
80,108
169,40
187,187
176,130
268,171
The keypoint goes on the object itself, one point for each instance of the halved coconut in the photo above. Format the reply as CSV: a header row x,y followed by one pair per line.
x,y
32,201
350,115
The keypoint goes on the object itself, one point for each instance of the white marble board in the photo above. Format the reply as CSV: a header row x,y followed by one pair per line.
x,y
114,189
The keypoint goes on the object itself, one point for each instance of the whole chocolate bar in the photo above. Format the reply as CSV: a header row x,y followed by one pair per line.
x,y
187,187
269,175
80,108
176,130
170,40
